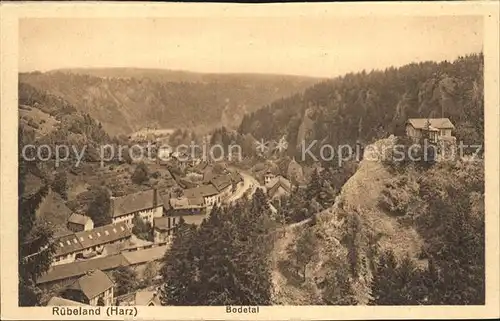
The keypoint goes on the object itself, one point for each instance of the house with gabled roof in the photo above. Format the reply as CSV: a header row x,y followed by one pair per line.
x,y
91,288
147,204
94,240
70,247
136,258
65,274
78,223
436,128
193,210
223,184
208,193
278,186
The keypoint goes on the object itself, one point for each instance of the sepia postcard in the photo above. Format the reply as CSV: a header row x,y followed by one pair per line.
x,y
175,161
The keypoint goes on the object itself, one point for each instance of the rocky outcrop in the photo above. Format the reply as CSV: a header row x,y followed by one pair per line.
x,y
376,229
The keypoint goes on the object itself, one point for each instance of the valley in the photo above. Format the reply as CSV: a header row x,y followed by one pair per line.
x,y
127,100
371,230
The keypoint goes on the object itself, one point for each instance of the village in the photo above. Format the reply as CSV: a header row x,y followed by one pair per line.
x,y
186,189
247,162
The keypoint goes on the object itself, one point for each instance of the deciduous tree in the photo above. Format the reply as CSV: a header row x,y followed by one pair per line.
x,y
125,280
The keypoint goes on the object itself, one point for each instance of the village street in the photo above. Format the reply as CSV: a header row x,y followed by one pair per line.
x,y
249,183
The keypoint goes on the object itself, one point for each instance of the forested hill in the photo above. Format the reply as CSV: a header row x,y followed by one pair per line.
x,y
49,121
126,100
367,106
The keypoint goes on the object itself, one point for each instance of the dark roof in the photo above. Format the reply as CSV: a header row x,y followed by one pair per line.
x,y
201,191
440,123
78,219
135,202
186,203
93,283
78,268
67,244
221,182
184,183
85,239
161,223
103,234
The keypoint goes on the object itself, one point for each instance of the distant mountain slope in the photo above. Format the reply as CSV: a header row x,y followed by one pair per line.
x,y
125,100
368,106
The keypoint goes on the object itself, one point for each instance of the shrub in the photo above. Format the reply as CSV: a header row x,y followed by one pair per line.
x,y
398,195
140,175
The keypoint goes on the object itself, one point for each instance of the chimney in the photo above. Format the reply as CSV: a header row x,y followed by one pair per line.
x,y
155,197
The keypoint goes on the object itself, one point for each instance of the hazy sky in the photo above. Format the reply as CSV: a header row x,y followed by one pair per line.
x,y
312,46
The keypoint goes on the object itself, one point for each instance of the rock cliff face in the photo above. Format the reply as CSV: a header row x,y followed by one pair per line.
x,y
306,128
375,231
370,106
